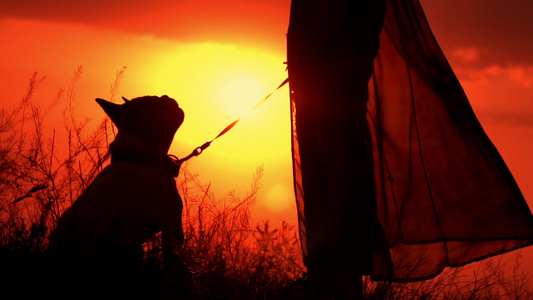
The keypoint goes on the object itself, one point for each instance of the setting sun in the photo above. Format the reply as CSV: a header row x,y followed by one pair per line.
x,y
241,94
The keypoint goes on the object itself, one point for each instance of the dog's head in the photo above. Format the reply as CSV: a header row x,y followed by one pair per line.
x,y
154,120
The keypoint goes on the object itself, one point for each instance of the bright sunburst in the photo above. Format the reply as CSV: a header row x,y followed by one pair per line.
x,y
240,94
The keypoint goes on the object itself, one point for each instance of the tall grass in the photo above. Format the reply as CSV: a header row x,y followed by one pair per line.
x,y
228,254
40,177
494,278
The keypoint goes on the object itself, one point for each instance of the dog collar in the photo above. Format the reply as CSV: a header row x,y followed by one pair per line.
x,y
164,164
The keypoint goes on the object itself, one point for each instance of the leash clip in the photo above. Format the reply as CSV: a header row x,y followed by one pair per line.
x,y
201,149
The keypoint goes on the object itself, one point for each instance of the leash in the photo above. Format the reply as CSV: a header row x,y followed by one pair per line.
x,y
198,150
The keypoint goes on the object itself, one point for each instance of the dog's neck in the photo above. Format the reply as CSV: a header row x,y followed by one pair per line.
x,y
128,148
126,140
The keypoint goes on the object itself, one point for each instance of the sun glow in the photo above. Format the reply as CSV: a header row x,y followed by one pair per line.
x,y
241,94
279,198
215,84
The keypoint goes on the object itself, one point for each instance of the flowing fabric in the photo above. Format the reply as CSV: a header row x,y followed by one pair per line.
x,y
441,193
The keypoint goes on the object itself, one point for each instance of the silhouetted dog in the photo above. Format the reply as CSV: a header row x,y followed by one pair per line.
x,y
99,238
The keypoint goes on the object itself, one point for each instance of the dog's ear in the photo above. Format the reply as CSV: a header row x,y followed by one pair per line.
x,y
114,111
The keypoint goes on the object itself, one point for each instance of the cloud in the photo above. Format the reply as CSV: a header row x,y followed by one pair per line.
x,y
520,74
517,74
468,54
82,11
506,118
501,92
504,28
237,21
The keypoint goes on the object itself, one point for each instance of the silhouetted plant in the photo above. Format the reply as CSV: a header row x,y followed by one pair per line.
x,y
229,256
42,171
42,175
492,278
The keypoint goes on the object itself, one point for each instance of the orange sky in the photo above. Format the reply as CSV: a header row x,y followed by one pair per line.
x,y
200,52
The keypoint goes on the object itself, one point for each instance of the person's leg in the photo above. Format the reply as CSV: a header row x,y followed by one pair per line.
x,y
331,48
